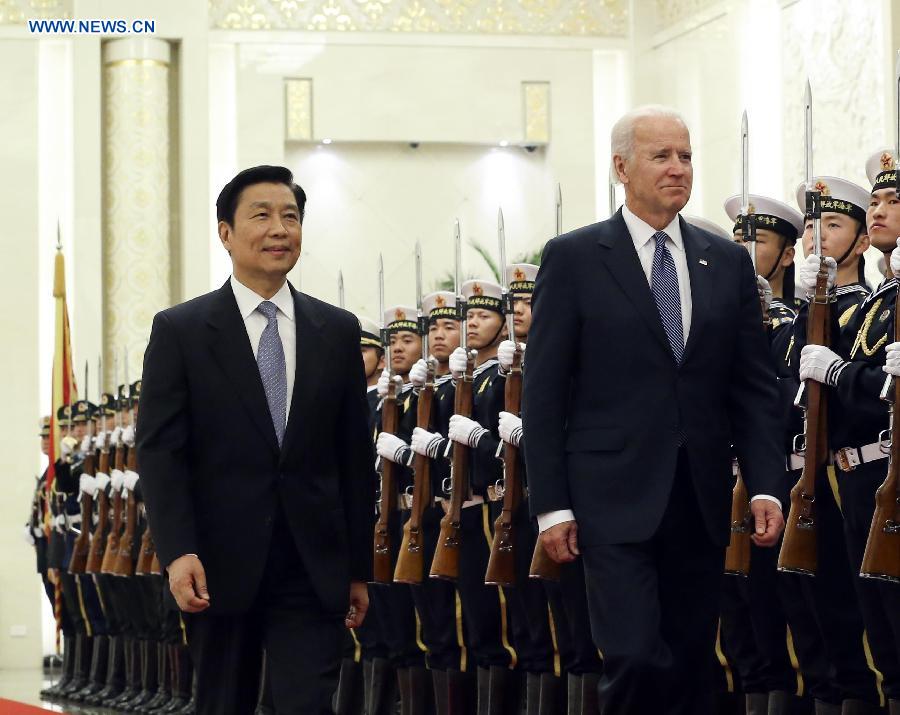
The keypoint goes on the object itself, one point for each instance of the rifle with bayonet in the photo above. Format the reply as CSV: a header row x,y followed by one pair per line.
x,y
799,550
542,566
383,572
737,555
446,556
115,532
501,568
98,541
124,565
410,563
881,559
82,545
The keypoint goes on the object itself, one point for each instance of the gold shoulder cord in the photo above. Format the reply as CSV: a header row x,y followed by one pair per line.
x,y
846,315
861,336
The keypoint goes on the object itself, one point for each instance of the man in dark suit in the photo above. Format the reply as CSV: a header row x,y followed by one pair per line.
x,y
257,465
647,364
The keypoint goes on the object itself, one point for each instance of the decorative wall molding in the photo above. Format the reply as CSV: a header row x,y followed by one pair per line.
x,y
298,109
668,12
582,18
17,12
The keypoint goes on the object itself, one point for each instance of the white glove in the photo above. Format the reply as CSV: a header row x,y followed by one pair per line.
x,y
765,292
392,448
38,532
86,444
895,260
465,431
506,351
130,479
820,364
383,383
892,359
426,443
67,446
115,436
128,435
419,373
59,521
117,477
88,484
458,363
28,535
510,428
809,269
101,440
102,479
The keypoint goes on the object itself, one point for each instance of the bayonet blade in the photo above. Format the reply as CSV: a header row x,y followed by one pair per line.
x,y
341,288
558,209
807,117
748,221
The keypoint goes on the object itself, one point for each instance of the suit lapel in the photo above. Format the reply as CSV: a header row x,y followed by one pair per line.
x,y
231,349
313,351
625,267
700,269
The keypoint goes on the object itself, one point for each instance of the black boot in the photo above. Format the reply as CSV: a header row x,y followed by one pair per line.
x,y
163,691
893,707
181,679
149,676
114,677
348,696
419,694
781,702
823,708
550,696
532,693
132,675
97,674
68,670
380,685
582,694
492,689
191,706
756,703
82,666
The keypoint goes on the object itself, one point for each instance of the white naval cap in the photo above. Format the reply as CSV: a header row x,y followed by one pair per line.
x,y
771,214
838,196
881,168
369,332
707,225
483,294
440,304
401,317
521,277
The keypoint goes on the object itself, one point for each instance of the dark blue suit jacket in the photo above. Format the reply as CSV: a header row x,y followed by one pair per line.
x,y
604,402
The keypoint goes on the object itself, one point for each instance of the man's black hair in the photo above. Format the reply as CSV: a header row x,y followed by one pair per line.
x,y
231,193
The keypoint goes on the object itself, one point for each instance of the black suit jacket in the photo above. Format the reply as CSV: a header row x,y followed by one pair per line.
x,y
211,470
604,402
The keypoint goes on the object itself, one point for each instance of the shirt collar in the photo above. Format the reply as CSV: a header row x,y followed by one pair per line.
x,y
248,301
641,231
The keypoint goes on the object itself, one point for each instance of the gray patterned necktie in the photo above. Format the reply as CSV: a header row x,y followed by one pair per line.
x,y
664,286
272,370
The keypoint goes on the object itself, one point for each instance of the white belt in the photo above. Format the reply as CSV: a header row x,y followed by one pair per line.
x,y
466,504
849,458
794,462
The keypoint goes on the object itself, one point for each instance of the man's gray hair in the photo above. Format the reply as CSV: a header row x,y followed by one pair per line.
x,y
622,139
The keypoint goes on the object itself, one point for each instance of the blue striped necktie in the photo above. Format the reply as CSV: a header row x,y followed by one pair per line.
x,y
272,368
664,286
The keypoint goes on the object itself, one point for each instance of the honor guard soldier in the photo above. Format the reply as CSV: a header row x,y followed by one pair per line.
x,y
861,455
436,599
844,238
488,639
34,532
393,602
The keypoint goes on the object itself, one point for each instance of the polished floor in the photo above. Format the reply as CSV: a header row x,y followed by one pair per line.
x,y
25,686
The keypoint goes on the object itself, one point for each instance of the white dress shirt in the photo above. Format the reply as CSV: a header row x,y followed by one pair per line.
x,y
255,322
642,235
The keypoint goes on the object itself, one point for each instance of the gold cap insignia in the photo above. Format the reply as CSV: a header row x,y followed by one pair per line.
x,y
751,209
822,188
887,161
399,314
439,301
477,289
519,274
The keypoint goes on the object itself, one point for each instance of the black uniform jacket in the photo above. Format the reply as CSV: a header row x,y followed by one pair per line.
x,y
605,405
212,473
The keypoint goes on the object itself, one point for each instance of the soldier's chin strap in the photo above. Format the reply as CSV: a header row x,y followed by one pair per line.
x,y
784,245
859,232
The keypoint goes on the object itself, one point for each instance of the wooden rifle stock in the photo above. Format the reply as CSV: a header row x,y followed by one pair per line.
x,y
108,564
501,568
737,555
446,556
124,564
382,571
542,566
799,550
82,546
881,559
155,567
98,540
410,562
144,565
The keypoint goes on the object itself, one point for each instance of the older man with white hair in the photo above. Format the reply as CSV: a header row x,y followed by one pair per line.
x,y
648,369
